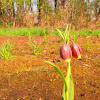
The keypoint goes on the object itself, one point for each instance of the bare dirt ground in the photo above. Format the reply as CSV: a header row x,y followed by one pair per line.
x,y
27,77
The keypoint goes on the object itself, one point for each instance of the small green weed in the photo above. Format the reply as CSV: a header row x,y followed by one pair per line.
x,y
88,43
45,37
4,91
5,50
74,37
35,47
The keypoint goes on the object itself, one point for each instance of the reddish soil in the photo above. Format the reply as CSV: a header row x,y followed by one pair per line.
x,y
27,77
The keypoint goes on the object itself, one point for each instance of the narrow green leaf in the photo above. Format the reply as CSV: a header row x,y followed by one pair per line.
x,y
61,34
64,96
60,73
66,30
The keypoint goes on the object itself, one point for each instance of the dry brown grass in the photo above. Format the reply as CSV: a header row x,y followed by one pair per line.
x,y
28,20
61,19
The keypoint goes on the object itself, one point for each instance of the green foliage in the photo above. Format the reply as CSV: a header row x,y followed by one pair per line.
x,y
40,32
69,94
9,23
68,90
84,32
22,31
47,8
65,35
35,47
87,32
45,36
74,38
5,50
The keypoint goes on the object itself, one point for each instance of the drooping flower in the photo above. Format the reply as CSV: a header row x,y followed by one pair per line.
x,y
65,52
76,50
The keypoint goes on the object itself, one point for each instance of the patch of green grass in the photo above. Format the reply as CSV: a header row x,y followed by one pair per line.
x,y
87,32
48,31
75,33
22,31
45,37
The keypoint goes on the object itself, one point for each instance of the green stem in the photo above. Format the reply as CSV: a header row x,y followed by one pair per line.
x,y
65,94
67,37
70,84
69,94
68,30
68,80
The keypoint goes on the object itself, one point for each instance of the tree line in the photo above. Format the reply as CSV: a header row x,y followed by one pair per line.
x,y
80,13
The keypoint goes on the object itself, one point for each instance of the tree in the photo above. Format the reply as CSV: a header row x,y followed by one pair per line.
x,y
40,11
96,9
56,5
89,10
63,3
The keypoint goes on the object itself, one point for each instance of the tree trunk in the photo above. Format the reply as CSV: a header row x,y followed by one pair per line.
x,y
56,5
97,10
68,10
72,10
63,4
40,12
30,6
0,9
89,11
82,8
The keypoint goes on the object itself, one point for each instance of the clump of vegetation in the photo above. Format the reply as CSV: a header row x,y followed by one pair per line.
x,y
35,46
88,43
5,50
45,36
65,35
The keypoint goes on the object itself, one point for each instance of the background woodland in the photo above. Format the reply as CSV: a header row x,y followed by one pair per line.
x,y
50,13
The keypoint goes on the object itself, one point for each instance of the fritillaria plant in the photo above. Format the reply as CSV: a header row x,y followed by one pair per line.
x,y
66,53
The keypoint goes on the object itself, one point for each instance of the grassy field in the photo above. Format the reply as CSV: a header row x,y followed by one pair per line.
x,y
21,31
41,31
